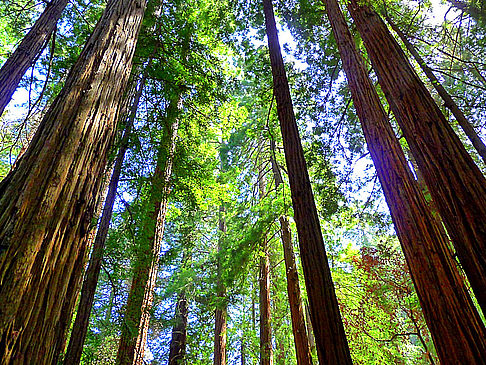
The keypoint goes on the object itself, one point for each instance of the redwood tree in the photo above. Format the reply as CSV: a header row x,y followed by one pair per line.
x,y
139,303
47,201
80,327
266,353
301,340
221,312
455,325
177,348
448,101
332,346
28,50
456,184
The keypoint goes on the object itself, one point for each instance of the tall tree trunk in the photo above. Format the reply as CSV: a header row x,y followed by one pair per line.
x,y
302,347
221,307
48,200
455,325
448,101
266,352
80,327
455,182
177,350
242,351
332,346
310,331
28,50
139,303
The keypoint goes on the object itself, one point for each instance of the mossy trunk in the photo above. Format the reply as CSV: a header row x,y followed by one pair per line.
x,y
139,303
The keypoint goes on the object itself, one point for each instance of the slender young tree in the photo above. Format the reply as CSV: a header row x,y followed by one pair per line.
x,y
301,340
221,311
332,346
266,351
444,298
47,201
137,313
80,327
28,50
456,184
448,101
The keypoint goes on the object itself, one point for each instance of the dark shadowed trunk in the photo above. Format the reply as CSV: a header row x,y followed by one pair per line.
x,y
455,182
220,313
448,101
302,347
332,346
47,202
177,349
28,50
266,353
139,303
454,323
80,327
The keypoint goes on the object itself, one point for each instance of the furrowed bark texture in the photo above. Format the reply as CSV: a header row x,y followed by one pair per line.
x,y
302,347
448,101
332,346
457,330
28,50
80,327
266,352
47,202
177,352
220,313
137,314
455,182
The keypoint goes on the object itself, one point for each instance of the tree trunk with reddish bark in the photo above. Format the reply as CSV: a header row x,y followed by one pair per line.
x,y
47,202
80,327
457,330
266,352
177,349
456,184
139,303
301,340
220,313
448,101
28,51
332,346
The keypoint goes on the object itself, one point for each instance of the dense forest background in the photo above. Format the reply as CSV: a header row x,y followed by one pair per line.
x,y
201,237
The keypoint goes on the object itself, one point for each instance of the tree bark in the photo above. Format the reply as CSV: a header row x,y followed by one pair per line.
x,y
137,314
454,323
456,184
332,346
302,347
177,352
28,50
80,327
266,351
48,200
448,101
221,307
